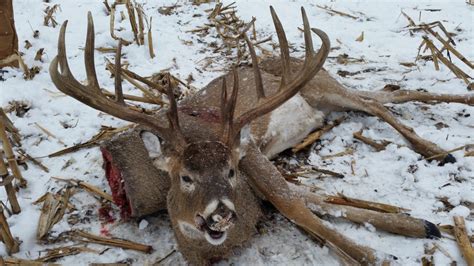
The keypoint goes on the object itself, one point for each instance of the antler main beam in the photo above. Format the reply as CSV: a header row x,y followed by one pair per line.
x,y
289,86
92,96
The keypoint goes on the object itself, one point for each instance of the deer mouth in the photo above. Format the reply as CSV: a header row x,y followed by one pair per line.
x,y
215,232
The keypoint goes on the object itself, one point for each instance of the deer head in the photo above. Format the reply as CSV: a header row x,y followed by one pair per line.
x,y
205,199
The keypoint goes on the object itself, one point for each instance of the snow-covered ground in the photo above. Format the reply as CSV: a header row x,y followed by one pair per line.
x,y
396,175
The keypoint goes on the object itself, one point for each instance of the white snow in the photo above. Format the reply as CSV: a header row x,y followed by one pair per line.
x,y
387,176
143,224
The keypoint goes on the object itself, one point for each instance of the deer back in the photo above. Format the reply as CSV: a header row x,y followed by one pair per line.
x,y
274,132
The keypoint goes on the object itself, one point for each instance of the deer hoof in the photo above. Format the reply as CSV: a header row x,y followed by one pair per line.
x,y
448,159
431,230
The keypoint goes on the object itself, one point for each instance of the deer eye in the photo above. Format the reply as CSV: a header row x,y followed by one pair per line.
x,y
186,179
231,173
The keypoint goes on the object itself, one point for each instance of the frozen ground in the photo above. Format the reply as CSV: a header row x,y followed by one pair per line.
x,y
387,176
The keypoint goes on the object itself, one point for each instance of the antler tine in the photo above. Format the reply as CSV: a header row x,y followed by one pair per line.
x,y
118,75
61,58
232,104
308,40
256,69
284,50
89,55
93,97
224,113
288,87
173,110
228,108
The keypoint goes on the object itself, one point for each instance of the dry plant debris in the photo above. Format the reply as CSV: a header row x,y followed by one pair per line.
x,y
51,255
104,134
377,146
463,240
137,18
49,15
168,10
151,87
10,128
114,242
12,245
28,73
87,187
52,211
22,262
7,148
26,157
313,137
39,55
28,45
152,92
231,32
49,134
437,53
6,180
345,59
336,12
56,253
360,38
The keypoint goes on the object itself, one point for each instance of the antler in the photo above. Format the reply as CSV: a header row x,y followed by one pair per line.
x,y
289,86
92,96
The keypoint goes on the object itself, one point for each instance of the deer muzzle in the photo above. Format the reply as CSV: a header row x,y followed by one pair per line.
x,y
216,220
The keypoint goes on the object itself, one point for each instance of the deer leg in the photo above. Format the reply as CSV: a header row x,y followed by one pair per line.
x,y
402,96
267,180
348,99
396,223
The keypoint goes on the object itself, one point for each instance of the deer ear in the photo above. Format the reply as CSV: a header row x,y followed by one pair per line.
x,y
242,141
152,144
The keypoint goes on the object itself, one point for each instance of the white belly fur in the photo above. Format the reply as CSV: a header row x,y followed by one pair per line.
x,y
290,124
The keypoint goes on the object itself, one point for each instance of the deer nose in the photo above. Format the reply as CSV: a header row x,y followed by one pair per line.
x,y
221,218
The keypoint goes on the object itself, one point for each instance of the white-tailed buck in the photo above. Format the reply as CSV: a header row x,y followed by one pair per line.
x,y
207,159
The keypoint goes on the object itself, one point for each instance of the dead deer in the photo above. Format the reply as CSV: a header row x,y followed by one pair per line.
x,y
207,161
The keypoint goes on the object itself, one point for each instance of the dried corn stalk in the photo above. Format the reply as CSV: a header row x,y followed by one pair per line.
x,y
231,31
22,262
437,53
49,15
104,134
10,127
28,74
115,242
56,253
463,240
311,138
137,18
6,181
377,146
88,187
52,212
7,147
11,244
